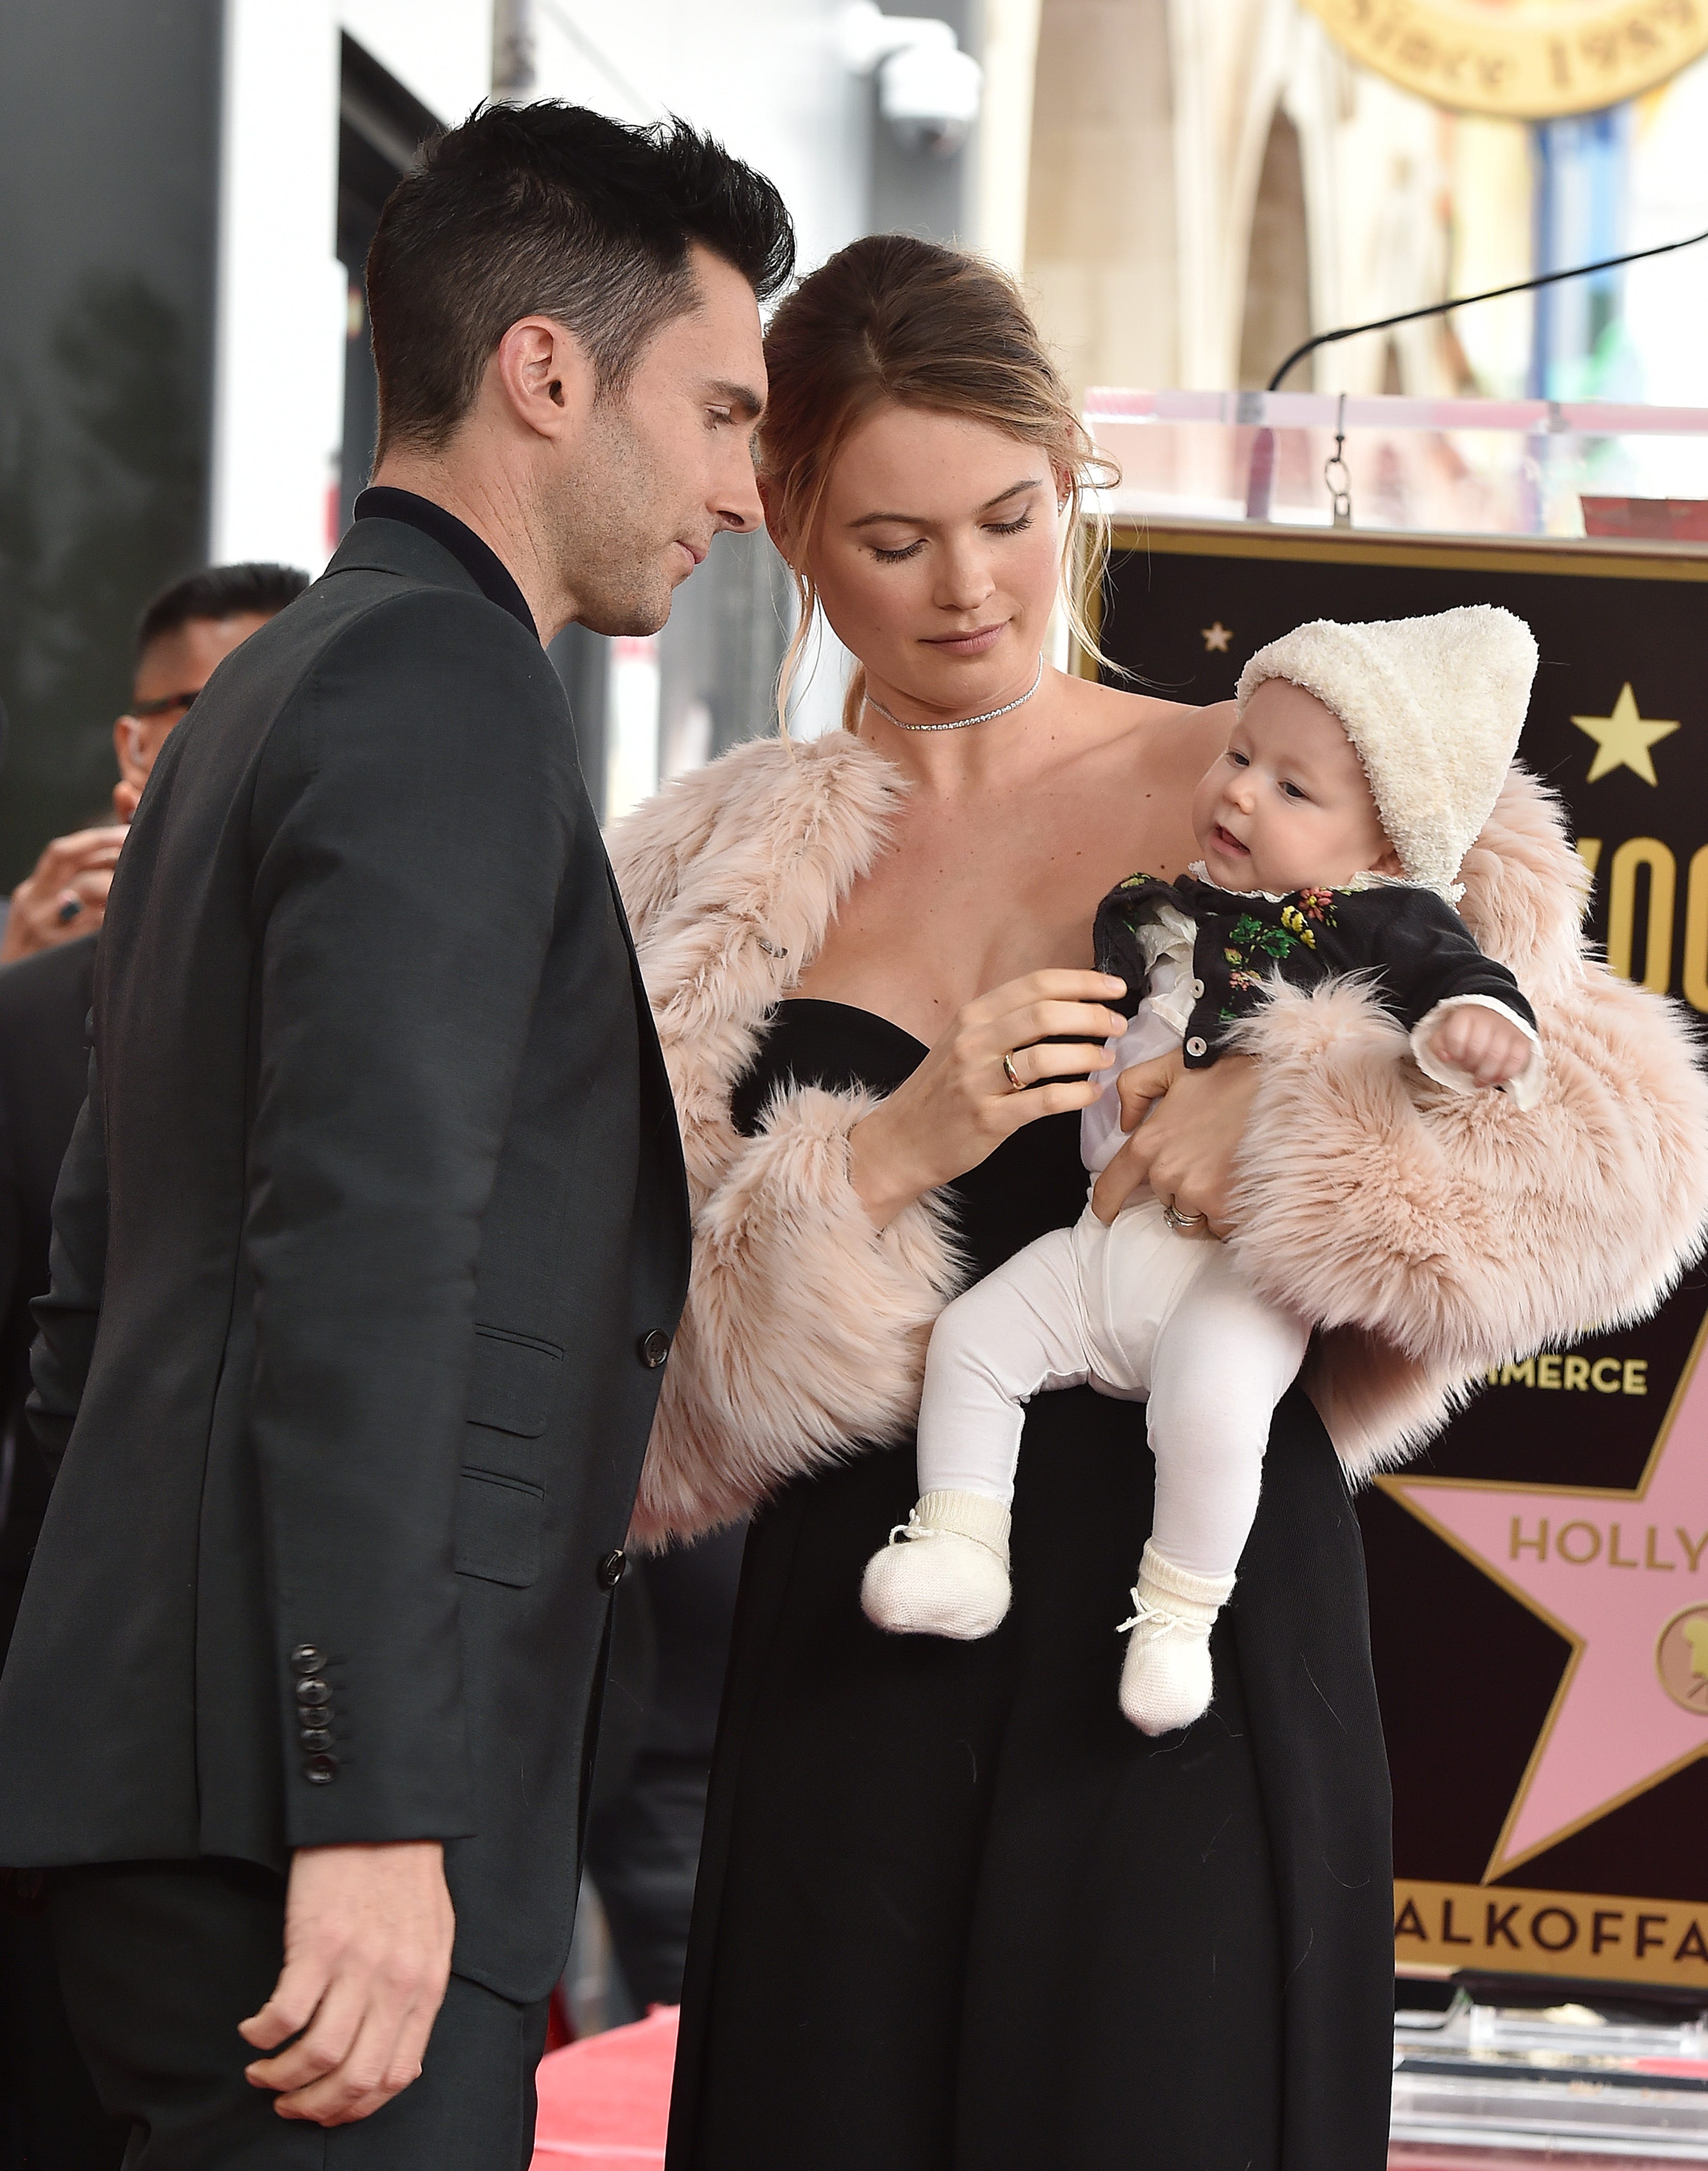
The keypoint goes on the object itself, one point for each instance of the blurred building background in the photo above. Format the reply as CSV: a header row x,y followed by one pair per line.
x,y
1188,187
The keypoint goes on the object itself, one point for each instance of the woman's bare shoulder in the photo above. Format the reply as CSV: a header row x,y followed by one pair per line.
x,y
1178,740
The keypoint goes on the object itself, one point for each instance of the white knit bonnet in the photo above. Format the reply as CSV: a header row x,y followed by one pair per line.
x,y
1433,705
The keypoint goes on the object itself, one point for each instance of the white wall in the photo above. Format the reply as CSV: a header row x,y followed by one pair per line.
x,y
441,50
279,332
763,76
280,310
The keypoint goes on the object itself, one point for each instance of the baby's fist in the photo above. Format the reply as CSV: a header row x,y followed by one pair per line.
x,y
1486,1045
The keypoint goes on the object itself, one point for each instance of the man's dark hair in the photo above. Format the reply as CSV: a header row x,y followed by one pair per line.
x,y
554,211
220,591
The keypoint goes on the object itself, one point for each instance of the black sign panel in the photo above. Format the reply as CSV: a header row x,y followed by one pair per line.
x,y
1539,1580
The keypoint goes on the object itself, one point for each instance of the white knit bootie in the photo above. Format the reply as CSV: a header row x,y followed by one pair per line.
x,y
1165,1680
944,1571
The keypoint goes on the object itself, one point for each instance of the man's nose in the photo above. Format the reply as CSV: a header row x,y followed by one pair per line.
x,y
738,507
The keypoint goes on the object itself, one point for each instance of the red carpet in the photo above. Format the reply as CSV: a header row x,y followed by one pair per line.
x,y
604,2104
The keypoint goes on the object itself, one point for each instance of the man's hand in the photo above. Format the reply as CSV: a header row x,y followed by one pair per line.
x,y
64,895
367,1955
1186,1150
1485,1045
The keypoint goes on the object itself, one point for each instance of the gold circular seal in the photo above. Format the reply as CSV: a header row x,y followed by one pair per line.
x,y
1529,59
1681,1659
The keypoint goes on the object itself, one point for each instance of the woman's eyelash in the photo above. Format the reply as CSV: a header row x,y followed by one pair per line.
x,y
994,526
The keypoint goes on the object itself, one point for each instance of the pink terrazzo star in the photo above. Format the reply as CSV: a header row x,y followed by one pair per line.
x,y
1623,1577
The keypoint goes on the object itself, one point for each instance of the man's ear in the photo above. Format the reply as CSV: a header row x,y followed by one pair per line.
x,y
122,751
542,377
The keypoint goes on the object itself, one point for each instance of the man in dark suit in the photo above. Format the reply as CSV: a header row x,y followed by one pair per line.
x,y
48,2113
183,635
373,1232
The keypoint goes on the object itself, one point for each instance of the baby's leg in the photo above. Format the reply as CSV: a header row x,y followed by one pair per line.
x,y
1223,1359
1018,1331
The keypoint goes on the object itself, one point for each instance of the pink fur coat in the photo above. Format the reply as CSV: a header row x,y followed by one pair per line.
x,y
1430,1233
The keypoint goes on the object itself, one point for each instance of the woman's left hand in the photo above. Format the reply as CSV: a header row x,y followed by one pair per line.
x,y
1186,1150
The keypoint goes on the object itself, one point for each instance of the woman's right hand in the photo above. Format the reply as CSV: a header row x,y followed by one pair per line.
x,y
960,1104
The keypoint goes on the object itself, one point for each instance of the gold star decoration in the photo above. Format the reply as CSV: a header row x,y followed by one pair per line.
x,y
1623,740
1217,636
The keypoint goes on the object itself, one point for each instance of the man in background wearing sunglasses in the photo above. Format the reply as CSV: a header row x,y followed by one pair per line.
x,y
48,2112
188,629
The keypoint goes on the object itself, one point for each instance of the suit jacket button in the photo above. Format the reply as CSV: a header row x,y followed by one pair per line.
x,y
611,1570
308,1658
313,1691
655,1347
320,1771
314,1737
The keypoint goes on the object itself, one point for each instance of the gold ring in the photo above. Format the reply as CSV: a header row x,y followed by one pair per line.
x,y
1012,1075
1172,1214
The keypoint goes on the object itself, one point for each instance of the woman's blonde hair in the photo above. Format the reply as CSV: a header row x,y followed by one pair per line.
x,y
893,321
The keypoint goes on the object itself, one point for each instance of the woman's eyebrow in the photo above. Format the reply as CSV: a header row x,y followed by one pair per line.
x,y
918,520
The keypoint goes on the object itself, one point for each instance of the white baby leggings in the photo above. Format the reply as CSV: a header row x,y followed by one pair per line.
x,y
1139,1311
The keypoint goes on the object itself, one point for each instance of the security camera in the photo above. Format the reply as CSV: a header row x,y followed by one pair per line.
x,y
929,89
929,96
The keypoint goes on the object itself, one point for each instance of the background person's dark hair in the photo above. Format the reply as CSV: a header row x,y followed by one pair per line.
x,y
551,210
220,591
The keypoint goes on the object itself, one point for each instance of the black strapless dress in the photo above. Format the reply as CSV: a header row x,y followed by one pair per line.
x,y
955,1914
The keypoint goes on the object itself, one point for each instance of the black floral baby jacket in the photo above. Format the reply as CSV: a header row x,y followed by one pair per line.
x,y
1407,942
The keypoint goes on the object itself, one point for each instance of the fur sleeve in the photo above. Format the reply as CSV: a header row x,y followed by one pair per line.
x,y
1432,1233
650,847
804,1337
803,1340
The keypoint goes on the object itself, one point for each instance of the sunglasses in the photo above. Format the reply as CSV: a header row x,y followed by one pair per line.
x,y
161,706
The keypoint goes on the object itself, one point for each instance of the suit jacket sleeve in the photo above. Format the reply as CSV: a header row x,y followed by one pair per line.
x,y
68,1316
417,807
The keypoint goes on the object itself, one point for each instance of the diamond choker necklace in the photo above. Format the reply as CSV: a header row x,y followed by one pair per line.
x,y
962,723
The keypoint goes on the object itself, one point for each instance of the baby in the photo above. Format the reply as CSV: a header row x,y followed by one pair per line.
x,y
1363,764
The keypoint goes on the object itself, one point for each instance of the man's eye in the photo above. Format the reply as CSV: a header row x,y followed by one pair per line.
x,y
895,557
720,415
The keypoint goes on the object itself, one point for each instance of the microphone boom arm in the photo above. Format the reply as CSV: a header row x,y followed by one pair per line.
x,y
1464,301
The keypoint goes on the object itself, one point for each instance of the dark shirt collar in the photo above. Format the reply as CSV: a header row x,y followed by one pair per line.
x,y
483,565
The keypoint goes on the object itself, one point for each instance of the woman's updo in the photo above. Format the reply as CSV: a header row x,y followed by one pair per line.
x,y
893,321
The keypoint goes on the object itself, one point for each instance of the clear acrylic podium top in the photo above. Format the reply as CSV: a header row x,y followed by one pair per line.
x,y
1458,467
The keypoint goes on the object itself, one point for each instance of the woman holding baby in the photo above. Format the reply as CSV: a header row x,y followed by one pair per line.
x,y
955,1908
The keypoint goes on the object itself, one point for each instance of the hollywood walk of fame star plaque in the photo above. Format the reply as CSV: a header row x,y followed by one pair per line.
x,y
1538,1578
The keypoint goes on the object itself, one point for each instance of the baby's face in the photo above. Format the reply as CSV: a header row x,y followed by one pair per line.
x,y
1288,806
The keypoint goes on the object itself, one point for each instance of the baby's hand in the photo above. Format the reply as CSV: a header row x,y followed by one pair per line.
x,y
1489,1047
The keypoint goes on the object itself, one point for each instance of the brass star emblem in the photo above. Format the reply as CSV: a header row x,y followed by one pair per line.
x,y
1623,740
1217,636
